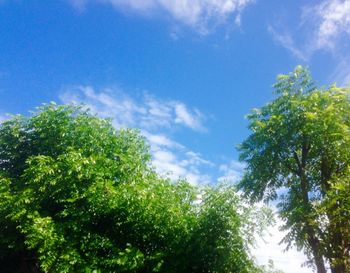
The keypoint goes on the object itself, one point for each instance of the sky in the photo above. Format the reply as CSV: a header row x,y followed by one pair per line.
x,y
184,72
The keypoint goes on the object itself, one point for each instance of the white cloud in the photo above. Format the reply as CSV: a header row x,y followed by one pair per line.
x,y
341,74
146,112
323,27
198,14
170,164
176,161
286,40
331,19
231,172
156,119
195,159
159,140
191,120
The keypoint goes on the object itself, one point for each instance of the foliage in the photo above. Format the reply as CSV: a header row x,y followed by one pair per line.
x,y
298,147
336,206
225,226
79,196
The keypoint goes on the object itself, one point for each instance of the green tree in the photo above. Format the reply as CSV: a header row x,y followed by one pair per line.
x,y
76,195
224,227
298,153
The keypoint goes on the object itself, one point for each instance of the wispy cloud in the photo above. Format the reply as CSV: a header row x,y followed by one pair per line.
x,y
286,40
325,27
177,161
322,27
330,20
200,15
177,164
232,171
341,74
146,111
346,79
184,117
157,119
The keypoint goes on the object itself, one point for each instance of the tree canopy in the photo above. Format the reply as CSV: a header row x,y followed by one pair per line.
x,y
298,154
77,195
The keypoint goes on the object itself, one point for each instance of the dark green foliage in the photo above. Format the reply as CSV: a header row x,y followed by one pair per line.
x,y
300,144
76,195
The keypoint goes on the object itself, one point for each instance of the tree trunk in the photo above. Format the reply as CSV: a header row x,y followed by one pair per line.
x,y
320,265
318,258
313,241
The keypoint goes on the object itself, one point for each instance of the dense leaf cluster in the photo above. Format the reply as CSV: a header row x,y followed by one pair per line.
x,y
76,195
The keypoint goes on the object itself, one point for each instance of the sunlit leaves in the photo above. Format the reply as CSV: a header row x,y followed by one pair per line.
x,y
76,195
300,143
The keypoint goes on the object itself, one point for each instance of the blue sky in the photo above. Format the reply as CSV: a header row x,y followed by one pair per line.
x,y
184,72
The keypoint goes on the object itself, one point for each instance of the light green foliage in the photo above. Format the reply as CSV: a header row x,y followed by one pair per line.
x,y
76,195
300,144
225,226
336,206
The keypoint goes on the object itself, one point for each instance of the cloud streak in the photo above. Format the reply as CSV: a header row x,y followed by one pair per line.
x,y
156,119
286,40
324,27
200,15
146,111
232,171
331,21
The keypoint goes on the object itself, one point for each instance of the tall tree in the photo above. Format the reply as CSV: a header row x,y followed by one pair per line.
x,y
299,153
76,195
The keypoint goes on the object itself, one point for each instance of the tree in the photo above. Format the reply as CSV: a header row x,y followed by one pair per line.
x,y
299,153
76,195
